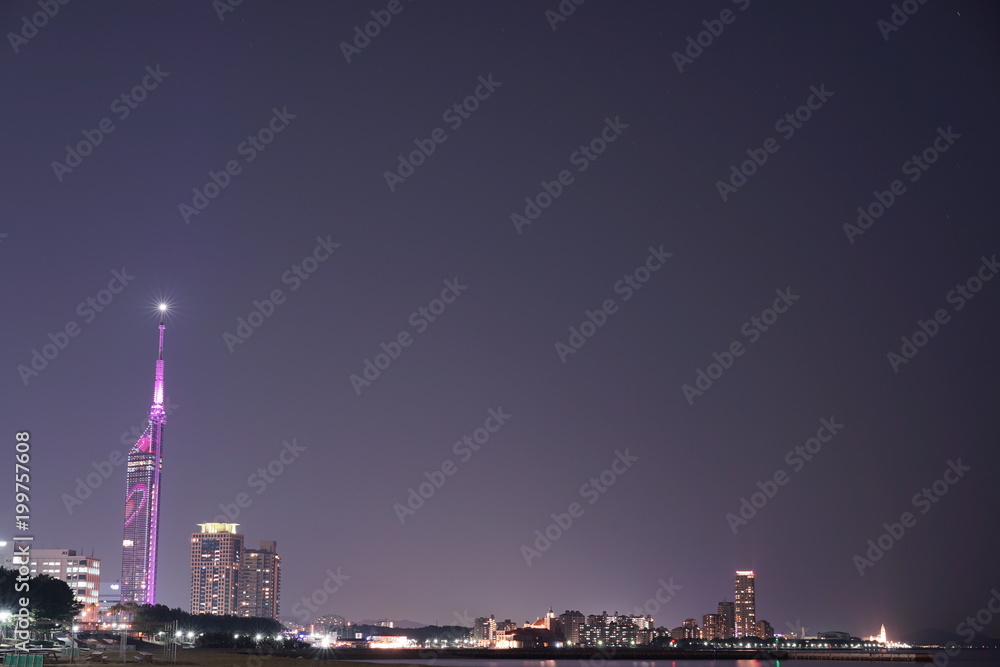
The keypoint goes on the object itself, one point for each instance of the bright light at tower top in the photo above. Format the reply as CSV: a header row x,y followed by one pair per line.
x,y
162,307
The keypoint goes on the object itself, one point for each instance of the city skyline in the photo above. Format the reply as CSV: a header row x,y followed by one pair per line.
x,y
491,307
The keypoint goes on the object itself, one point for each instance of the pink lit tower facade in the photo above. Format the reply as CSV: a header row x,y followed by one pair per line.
x,y
142,500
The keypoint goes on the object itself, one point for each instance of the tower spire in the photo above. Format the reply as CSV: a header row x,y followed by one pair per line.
x,y
157,415
142,499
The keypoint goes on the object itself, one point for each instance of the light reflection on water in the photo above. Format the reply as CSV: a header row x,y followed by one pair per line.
x,y
967,658
601,662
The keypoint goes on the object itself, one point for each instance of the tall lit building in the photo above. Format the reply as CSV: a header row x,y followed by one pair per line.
x,y
142,500
710,626
260,581
746,604
81,573
216,565
691,630
727,619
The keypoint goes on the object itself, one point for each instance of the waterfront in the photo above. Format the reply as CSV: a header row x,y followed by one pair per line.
x,y
967,658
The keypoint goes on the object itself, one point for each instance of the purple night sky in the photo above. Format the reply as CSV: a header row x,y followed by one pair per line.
x,y
578,266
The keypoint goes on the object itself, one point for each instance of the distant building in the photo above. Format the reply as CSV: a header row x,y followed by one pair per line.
x,y
572,623
330,626
260,581
109,596
691,630
484,631
677,634
616,630
710,624
544,632
746,604
764,630
227,578
506,625
527,637
881,637
216,564
81,573
390,641
727,619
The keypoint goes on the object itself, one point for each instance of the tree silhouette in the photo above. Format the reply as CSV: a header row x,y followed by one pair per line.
x,y
50,600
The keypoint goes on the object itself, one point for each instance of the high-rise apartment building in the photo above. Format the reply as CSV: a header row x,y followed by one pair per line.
x,y
746,604
259,584
216,565
572,623
484,631
142,501
227,578
710,626
727,619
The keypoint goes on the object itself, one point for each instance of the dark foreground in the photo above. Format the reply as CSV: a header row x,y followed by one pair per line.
x,y
597,655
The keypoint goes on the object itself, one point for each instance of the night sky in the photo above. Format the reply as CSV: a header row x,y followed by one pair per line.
x,y
676,202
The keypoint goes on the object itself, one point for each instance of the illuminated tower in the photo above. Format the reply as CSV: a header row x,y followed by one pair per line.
x,y
142,500
746,604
